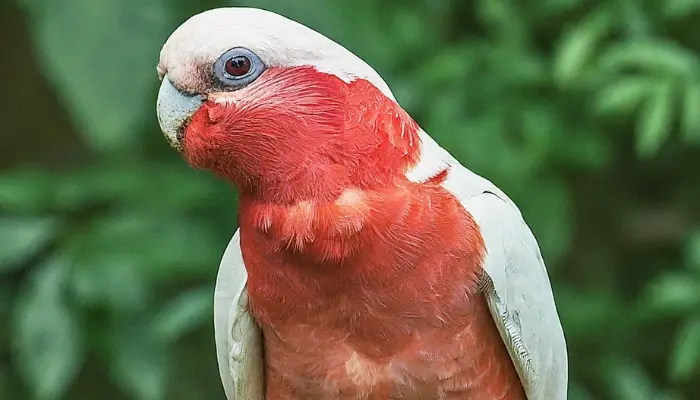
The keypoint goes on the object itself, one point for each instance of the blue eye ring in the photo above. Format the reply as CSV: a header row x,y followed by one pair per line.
x,y
237,68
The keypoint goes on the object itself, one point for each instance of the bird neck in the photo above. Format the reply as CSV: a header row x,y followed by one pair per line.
x,y
385,244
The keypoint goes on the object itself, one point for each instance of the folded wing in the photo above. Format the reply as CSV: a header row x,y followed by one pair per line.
x,y
519,294
239,347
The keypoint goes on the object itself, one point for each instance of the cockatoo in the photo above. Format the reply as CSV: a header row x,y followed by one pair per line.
x,y
369,263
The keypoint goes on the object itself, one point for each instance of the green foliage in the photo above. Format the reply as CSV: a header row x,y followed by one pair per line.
x,y
678,293
586,112
48,341
90,50
21,237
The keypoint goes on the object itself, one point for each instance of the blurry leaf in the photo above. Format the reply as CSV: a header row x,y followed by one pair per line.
x,y
685,357
578,392
548,210
623,95
447,109
521,69
690,112
654,55
184,313
171,188
101,56
630,382
5,389
161,248
112,281
654,121
21,238
504,19
7,302
680,8
25,190
10,389
166,188
138,363
693,252
582,149
578,45
410,30
447,66
636,21
550,8
4,384
674,293
47,336
584,314
538,130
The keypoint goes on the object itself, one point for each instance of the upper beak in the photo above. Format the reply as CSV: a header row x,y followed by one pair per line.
x,y
174,108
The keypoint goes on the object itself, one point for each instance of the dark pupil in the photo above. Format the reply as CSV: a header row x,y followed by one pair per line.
x,y
237,66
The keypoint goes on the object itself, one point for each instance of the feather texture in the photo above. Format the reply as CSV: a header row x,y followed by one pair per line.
x,y
517,285
375,295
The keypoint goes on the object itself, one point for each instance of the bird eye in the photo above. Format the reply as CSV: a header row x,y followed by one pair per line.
x,y
237,68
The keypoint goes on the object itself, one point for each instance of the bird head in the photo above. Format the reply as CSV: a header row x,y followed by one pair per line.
x,y
278,109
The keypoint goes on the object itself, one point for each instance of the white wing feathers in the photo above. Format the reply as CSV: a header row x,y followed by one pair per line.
x,y
520,297
239,347
517,285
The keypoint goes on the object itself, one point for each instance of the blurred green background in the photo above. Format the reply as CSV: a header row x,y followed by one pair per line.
x,y
586,112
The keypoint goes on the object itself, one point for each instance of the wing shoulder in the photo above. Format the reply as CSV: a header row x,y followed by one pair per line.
x,y
239,347
517,288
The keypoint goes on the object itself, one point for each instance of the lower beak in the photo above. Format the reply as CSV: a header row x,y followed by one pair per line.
x,y
174,108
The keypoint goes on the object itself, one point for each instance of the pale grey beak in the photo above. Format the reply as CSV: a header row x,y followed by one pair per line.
x,y
173,109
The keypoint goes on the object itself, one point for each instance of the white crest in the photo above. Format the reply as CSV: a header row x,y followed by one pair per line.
x,y
278,41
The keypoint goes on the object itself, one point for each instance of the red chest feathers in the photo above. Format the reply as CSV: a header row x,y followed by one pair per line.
x,y
372,264
368,292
